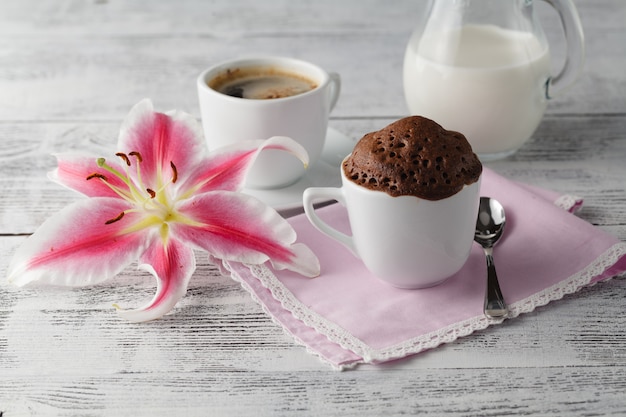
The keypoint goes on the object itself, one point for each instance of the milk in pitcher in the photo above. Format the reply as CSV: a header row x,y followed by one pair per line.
x,y
486,82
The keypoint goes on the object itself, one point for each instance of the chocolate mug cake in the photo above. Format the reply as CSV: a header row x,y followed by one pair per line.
x,y
413,156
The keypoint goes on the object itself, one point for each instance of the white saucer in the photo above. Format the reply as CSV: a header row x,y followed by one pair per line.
x,y
324,173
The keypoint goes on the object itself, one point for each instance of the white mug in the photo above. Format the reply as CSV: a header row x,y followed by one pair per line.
x,y
303,117
406,241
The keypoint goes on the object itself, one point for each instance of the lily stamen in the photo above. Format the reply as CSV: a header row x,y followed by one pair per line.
x,y
105,180
124,157
151,192
137,155
139,159
96,175
133,193
115,219
175,176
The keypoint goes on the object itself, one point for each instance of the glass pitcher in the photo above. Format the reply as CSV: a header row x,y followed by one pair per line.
x,y
482,67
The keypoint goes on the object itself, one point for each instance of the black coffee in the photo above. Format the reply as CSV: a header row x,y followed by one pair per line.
x,y
261,83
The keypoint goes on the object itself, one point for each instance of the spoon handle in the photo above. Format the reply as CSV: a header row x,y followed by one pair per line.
x,y
495,306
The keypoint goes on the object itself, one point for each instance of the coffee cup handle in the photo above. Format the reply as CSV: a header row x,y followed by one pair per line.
x,y
326,193
335,88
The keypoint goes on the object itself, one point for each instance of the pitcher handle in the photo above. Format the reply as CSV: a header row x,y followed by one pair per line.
x,y
575,39
326,193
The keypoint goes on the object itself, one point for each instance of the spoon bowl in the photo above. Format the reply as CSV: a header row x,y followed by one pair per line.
x,y
489,227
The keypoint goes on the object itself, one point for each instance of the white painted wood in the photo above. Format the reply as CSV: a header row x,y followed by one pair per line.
x,y
80,47
70,71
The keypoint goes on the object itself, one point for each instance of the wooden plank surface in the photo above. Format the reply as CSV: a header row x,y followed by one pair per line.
x,y
108,65
71,70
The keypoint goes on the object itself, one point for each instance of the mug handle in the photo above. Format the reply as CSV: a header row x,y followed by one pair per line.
x,y
335,89
575,38
326,193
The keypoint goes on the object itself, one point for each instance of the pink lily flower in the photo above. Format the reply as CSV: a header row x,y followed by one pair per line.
x,y
162,196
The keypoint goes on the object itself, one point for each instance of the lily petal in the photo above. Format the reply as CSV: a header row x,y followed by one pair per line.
x,y
162,139
75,247
72,172
172,265
226,168
238,227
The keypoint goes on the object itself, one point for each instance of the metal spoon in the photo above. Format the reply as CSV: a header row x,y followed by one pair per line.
x,y
489,227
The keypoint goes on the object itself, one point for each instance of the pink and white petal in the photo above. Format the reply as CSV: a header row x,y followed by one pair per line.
x,y
162,139
226,168
237,227
72,172
172,266
304,262
75,247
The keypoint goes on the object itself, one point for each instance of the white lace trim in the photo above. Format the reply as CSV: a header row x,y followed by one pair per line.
x,y
448,334
225,266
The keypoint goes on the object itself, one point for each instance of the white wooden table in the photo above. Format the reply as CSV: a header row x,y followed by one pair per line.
x,y
69,73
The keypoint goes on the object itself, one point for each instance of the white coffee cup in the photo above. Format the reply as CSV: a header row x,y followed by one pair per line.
x,y
303,117
406,241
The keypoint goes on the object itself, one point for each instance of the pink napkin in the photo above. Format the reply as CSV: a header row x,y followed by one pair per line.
x,y
346,316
